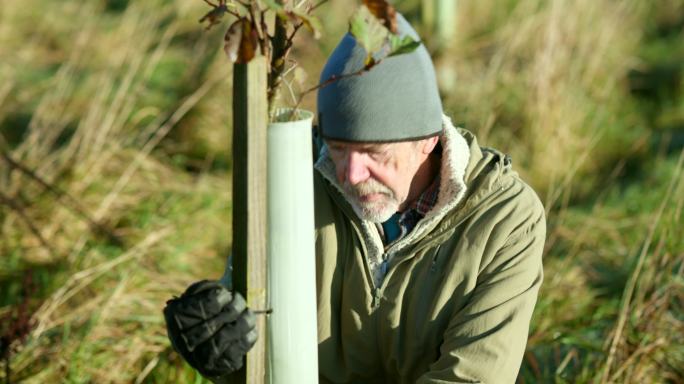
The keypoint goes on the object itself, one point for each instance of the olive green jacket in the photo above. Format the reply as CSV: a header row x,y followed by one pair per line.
x,y
455,303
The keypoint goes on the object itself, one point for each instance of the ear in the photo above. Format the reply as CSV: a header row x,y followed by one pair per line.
x,y
430,144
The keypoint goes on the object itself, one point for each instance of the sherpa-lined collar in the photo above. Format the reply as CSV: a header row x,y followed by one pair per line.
x,y
455,156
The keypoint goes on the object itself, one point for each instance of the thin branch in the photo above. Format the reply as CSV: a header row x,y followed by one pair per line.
x,y
250,10
234,13
331,80
301,23
218,10
290,39
64,197
264,26
280,50
16,207
289,88
259,25
292,68
264,34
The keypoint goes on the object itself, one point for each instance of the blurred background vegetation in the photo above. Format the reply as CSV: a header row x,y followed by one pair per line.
x,y
115,174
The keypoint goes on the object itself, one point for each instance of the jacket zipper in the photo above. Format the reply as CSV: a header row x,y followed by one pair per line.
x,y
378,291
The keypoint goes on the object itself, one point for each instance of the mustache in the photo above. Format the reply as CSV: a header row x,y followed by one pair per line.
x,y
366,188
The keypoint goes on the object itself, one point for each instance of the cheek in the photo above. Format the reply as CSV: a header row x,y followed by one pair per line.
x,y
404,184
339,171
395,180
404,170
339,166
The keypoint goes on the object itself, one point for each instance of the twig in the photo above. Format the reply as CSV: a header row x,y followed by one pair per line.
x,y
279,51
282,45
335,78
216,13
252,17
147,370
290,39
566,360
64,198
81,279
288,84
324,84
643,350
259,25
264,33
16,207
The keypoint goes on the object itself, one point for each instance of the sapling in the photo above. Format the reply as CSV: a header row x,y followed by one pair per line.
x,y
373,25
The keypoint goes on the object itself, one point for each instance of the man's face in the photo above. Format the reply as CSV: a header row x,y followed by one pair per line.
x,y
377,178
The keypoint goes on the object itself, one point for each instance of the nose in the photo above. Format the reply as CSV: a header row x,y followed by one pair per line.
x,y
356,170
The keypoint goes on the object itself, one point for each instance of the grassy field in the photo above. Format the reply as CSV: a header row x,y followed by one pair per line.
x,y
115,174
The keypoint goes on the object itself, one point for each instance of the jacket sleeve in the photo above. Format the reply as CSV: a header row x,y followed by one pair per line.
x,y
485,340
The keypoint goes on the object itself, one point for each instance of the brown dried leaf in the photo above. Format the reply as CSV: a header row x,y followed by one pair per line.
x,y
385,12
241,41
249,43
232,40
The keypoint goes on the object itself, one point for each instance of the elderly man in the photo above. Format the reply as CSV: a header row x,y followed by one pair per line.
x,y
428,245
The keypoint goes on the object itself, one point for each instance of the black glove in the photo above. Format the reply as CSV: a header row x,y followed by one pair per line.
x,y
211,328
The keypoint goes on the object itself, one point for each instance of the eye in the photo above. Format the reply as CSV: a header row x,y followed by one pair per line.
x,y
336,150
378,153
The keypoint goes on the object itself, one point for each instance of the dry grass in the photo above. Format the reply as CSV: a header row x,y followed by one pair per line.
x,y
123,108
539,79
94,124
547,82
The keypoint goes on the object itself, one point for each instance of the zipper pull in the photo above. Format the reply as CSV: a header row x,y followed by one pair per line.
x,y
376,298
377,293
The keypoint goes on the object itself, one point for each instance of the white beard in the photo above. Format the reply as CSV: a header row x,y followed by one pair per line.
x,y
375,211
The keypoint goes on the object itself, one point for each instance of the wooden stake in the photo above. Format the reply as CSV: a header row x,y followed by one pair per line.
x,y
250,119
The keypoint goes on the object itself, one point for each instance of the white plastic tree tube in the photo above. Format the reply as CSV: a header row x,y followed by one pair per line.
x,y
293,340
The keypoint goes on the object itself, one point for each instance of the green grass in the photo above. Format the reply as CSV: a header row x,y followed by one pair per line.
x,y
125,106
600,247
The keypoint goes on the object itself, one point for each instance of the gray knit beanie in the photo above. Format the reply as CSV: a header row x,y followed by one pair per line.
x,y
397,100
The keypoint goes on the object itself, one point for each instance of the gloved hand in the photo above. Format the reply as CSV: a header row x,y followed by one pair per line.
x,y
211,328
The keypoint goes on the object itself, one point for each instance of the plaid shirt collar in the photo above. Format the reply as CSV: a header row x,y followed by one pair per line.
x,y
427,199
409,219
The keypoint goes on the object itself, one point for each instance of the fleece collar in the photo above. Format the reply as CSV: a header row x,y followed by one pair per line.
x,y
455,157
